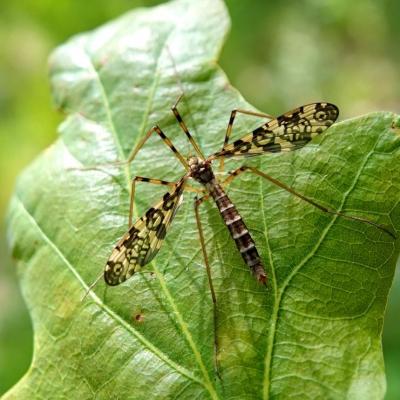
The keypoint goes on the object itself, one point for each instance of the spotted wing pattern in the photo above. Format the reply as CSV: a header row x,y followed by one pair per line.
x,y
143,240
288,132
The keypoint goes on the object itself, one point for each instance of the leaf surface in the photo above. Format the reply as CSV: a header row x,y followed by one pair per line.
x,y
314,332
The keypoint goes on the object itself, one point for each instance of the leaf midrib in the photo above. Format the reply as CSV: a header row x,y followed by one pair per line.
x,y
183,325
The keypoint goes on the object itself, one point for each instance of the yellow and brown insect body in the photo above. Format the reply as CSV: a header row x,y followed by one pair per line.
x,y
238,230
201,171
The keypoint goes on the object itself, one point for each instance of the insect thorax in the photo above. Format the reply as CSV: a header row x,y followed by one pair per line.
x,y
200,170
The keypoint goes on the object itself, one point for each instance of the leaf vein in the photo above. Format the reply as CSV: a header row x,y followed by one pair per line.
x,y
153,349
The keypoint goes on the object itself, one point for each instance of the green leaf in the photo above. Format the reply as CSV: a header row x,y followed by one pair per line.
x,y
314,332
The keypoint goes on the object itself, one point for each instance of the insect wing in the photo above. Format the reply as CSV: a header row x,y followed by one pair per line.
x,y
288,132
143,240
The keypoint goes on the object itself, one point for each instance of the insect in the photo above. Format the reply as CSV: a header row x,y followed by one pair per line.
x,y
144,238
288,132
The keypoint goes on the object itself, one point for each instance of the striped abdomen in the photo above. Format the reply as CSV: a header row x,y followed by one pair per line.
x,y
238,230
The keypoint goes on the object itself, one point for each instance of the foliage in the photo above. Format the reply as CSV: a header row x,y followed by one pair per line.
x,y
314,332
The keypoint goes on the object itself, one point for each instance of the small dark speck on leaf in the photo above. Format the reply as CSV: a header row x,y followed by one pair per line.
x,y
138,318
396,124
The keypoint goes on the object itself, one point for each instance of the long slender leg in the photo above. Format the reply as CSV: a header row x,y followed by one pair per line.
x,y
131,205
230,126
154,182
133,189
328,210
183,126
165,139
197,203
139,146
92,286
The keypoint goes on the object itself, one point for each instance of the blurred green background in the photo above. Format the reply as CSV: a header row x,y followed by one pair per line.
x,y
279,54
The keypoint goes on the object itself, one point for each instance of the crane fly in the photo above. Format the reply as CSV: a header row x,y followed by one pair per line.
x,y
144,238
288,132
